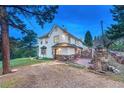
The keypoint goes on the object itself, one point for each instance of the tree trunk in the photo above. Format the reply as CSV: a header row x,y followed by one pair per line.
x,y
5,40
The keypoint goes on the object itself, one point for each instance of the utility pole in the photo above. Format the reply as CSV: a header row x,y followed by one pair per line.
x,y
101,23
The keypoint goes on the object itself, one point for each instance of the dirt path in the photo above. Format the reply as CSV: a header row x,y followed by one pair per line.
x,y
56,75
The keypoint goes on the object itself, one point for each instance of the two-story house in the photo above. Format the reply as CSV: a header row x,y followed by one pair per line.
x,y
59,44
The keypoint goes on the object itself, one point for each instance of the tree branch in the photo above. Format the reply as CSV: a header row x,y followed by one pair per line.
x,y
11,23
20,8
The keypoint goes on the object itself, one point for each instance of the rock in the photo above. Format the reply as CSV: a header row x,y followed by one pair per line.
x,y
113,69
14,70
121,60
110,68
91,67
116,71
100,58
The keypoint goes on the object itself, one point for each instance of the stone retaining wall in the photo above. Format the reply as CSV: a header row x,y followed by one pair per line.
x,y
117,57
87,53
100,59
65,57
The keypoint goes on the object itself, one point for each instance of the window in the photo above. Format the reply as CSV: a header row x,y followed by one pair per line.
x,y
43,50
69,39
75,41
78,42
46,41
56,39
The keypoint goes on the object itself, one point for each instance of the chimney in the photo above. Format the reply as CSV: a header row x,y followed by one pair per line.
x,y
64,27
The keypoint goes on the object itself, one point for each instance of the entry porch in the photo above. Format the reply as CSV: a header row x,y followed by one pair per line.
x,y
65,51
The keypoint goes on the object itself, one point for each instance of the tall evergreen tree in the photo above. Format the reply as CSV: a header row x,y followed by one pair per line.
x,y
10,16
88,39
116,31
29,43
0,46
14,46
29,39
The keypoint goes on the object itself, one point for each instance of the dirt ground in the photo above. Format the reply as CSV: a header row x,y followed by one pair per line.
x,y
56,75
83,61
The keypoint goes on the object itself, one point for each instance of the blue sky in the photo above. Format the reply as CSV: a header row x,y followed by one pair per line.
x,y
76,19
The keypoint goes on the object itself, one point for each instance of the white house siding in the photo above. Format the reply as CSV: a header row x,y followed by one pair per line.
x,y
63,38
40,45
72,40
61,51
71,51
55,32
51,41
65,51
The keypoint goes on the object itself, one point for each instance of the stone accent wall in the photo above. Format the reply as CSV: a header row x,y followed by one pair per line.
x,y
117,57
100,59
86,53
65,57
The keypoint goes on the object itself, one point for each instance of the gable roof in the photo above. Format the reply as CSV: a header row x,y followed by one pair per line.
x,y
44,36
64,30
47,34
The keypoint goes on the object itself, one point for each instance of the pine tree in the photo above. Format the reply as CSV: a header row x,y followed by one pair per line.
x,y
116,31
10,17
88,39
29,41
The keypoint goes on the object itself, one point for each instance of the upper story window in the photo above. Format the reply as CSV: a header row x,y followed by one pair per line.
x,y
63,37
46,41
78,42
69,39
75,41
56,39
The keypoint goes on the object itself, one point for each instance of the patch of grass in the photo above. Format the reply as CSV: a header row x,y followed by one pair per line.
x,y
0,64
25,61
45,58
9,83
119,78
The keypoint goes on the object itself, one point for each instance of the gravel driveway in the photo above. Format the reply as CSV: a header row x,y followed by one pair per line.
x,y
54,75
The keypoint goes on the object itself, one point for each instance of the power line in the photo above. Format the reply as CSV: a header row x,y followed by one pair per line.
x,y
103,41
